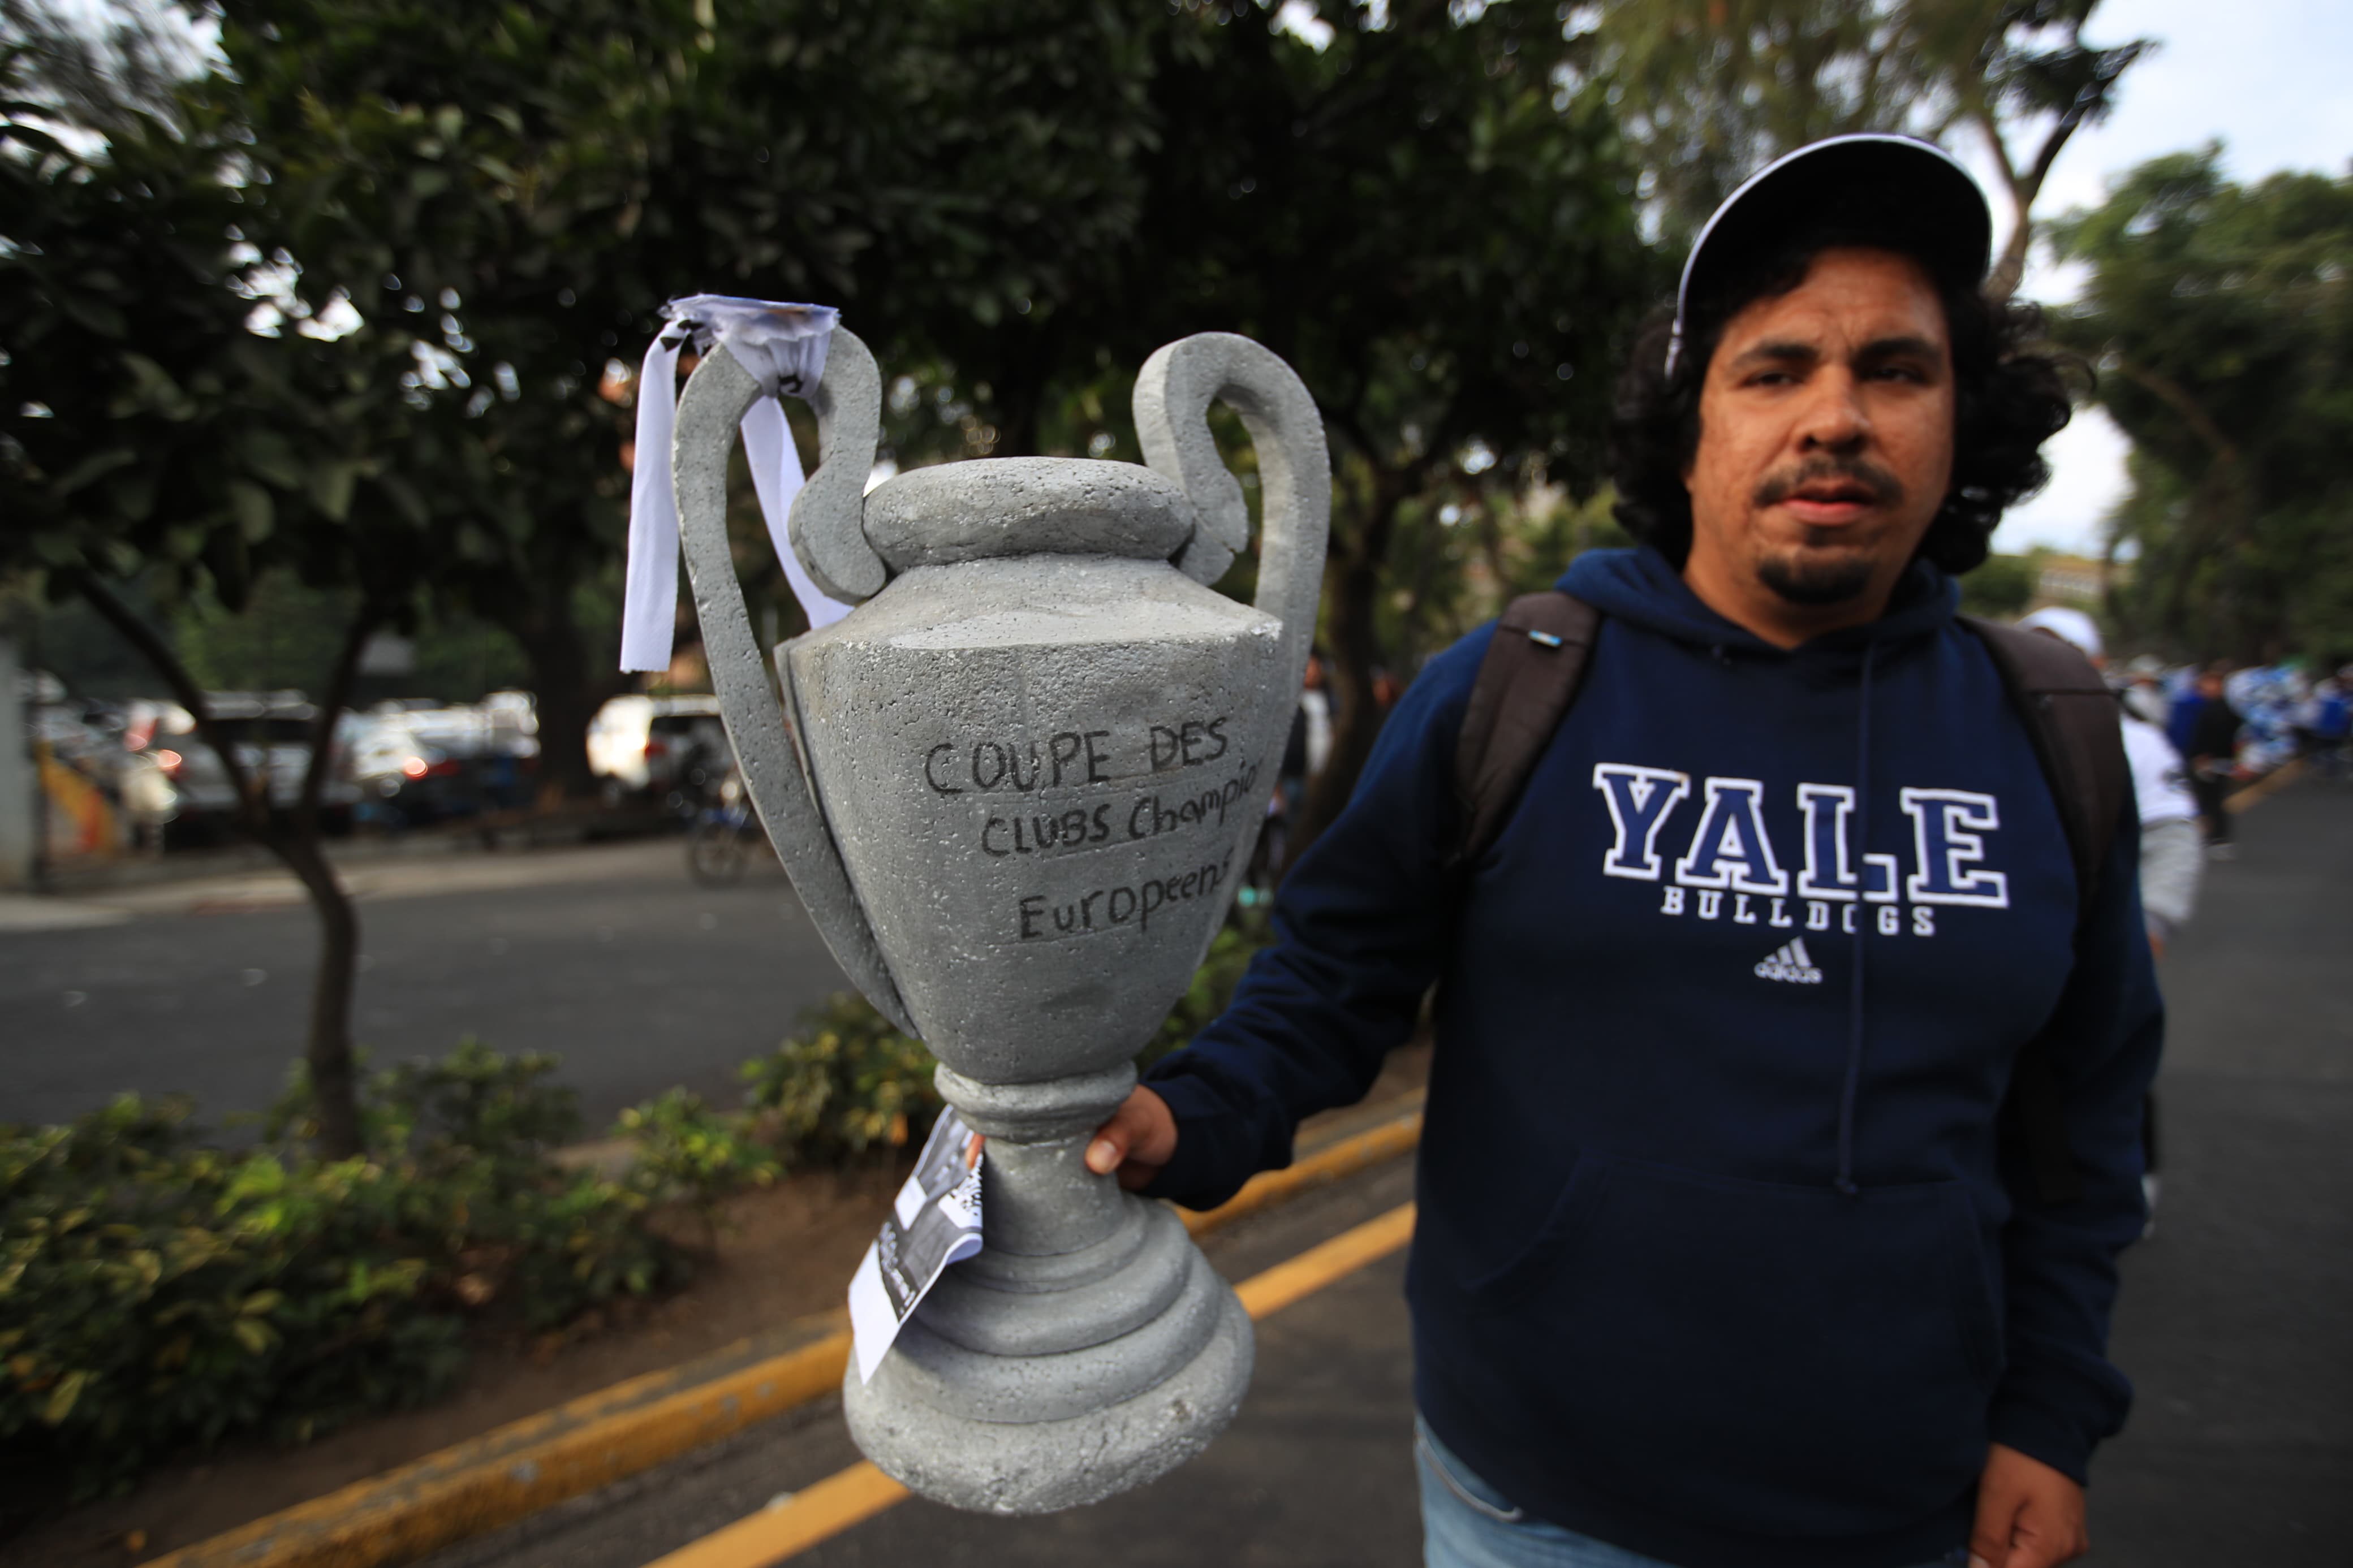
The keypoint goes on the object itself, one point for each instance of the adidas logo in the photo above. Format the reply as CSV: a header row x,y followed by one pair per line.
x,y
1790,963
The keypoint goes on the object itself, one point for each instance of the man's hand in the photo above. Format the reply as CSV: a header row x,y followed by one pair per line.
x,y
2029,1515
1140,1138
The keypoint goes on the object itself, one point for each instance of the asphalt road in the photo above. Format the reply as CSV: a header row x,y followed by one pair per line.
x,y
608,956
2236,1321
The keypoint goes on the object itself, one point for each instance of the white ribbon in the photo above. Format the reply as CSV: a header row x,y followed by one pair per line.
x,y
783,346
776,479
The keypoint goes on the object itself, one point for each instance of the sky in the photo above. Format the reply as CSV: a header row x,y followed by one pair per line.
x,y
2273,82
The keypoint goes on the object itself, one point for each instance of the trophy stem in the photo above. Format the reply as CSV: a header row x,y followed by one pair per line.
x,y
1088,1348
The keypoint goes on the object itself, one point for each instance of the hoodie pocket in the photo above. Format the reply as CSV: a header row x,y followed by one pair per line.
x,y
1786,1361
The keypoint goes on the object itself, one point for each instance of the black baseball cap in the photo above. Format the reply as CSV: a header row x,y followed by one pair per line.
x,y
1911,193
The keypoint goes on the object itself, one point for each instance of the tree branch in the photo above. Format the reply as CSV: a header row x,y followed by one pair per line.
x,y
252,809
337,697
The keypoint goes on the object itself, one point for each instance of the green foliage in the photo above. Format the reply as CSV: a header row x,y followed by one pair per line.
x,y
2220,317
286,635
1713,90
157,1293
843,1083
288,632
685,1152
2001,587
474,1099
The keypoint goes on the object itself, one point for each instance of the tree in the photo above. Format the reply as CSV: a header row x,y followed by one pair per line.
x,y
1716,88
2003,586
2021,72
2221,321
145,429
1440,239
534,180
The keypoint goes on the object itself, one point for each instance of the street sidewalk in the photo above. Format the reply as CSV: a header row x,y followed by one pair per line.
x,y
447,868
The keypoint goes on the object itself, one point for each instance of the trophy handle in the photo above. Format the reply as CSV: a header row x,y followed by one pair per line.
x,y
718,394
1173,394
828,527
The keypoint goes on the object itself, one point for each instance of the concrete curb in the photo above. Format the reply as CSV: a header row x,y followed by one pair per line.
x,y
517,1470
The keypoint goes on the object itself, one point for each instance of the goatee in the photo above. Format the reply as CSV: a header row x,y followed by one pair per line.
x,y
1803,578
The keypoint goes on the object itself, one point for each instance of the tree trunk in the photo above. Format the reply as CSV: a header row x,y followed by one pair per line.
x,y
568,695
327,1050
334,1081
294,840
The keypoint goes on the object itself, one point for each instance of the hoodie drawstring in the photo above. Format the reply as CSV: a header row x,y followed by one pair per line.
x,y
1854,1033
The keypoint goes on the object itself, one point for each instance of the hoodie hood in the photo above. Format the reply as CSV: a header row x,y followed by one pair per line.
x,y
1640,586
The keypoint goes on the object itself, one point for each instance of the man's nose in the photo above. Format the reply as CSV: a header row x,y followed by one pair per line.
x,y
1834,419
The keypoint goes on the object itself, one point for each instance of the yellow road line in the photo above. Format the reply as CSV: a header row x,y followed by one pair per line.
x,y
2254,793
1345,1158
857,1494
1267,1293
823,1512
517,1470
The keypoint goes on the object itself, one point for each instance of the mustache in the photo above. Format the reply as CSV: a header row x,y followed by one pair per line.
x,y
1885,488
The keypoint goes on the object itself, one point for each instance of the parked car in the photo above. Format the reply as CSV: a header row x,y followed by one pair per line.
x,y
271,733
659,747
417,763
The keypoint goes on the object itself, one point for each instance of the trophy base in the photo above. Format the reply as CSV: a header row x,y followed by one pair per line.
x,y
1020,1434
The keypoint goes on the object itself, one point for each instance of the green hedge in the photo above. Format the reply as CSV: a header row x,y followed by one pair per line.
x,y
159,1292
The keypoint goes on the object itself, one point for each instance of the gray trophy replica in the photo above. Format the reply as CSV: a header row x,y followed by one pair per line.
x,y
1029,769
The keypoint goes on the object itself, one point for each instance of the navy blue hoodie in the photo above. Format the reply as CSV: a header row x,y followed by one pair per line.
x,y
1716,1259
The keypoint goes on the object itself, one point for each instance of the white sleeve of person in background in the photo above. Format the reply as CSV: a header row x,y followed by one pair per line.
x,y
2172,849
1318,708
2172,853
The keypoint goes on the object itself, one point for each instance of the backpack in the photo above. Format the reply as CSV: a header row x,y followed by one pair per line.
x,y
1530,675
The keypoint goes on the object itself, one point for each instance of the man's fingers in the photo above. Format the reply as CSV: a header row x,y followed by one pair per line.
x,y
1140,1134
2034,1547
2029,1515
1109,1148
2033,1551
1989,1534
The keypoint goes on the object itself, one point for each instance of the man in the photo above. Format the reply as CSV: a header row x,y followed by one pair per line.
x,y
1719,1262
2212,748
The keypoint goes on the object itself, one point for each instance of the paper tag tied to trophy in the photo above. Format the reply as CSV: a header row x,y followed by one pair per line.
x,y
934,1222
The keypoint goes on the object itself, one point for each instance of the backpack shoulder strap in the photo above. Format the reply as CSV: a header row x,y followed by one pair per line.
x,y
1526,682
2078,737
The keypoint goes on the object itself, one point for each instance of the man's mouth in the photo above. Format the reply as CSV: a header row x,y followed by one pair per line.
x,y
1831,503
1840,496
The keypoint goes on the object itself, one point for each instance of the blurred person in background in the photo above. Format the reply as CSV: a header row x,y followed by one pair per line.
x,y
2170,865
2212,748
1315,717
2327,724
2144,695
2172,861
2187,700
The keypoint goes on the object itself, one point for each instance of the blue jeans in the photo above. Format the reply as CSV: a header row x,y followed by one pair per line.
x,y
1466,1524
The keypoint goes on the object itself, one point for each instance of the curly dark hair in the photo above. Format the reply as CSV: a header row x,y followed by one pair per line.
x,y
2009,401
